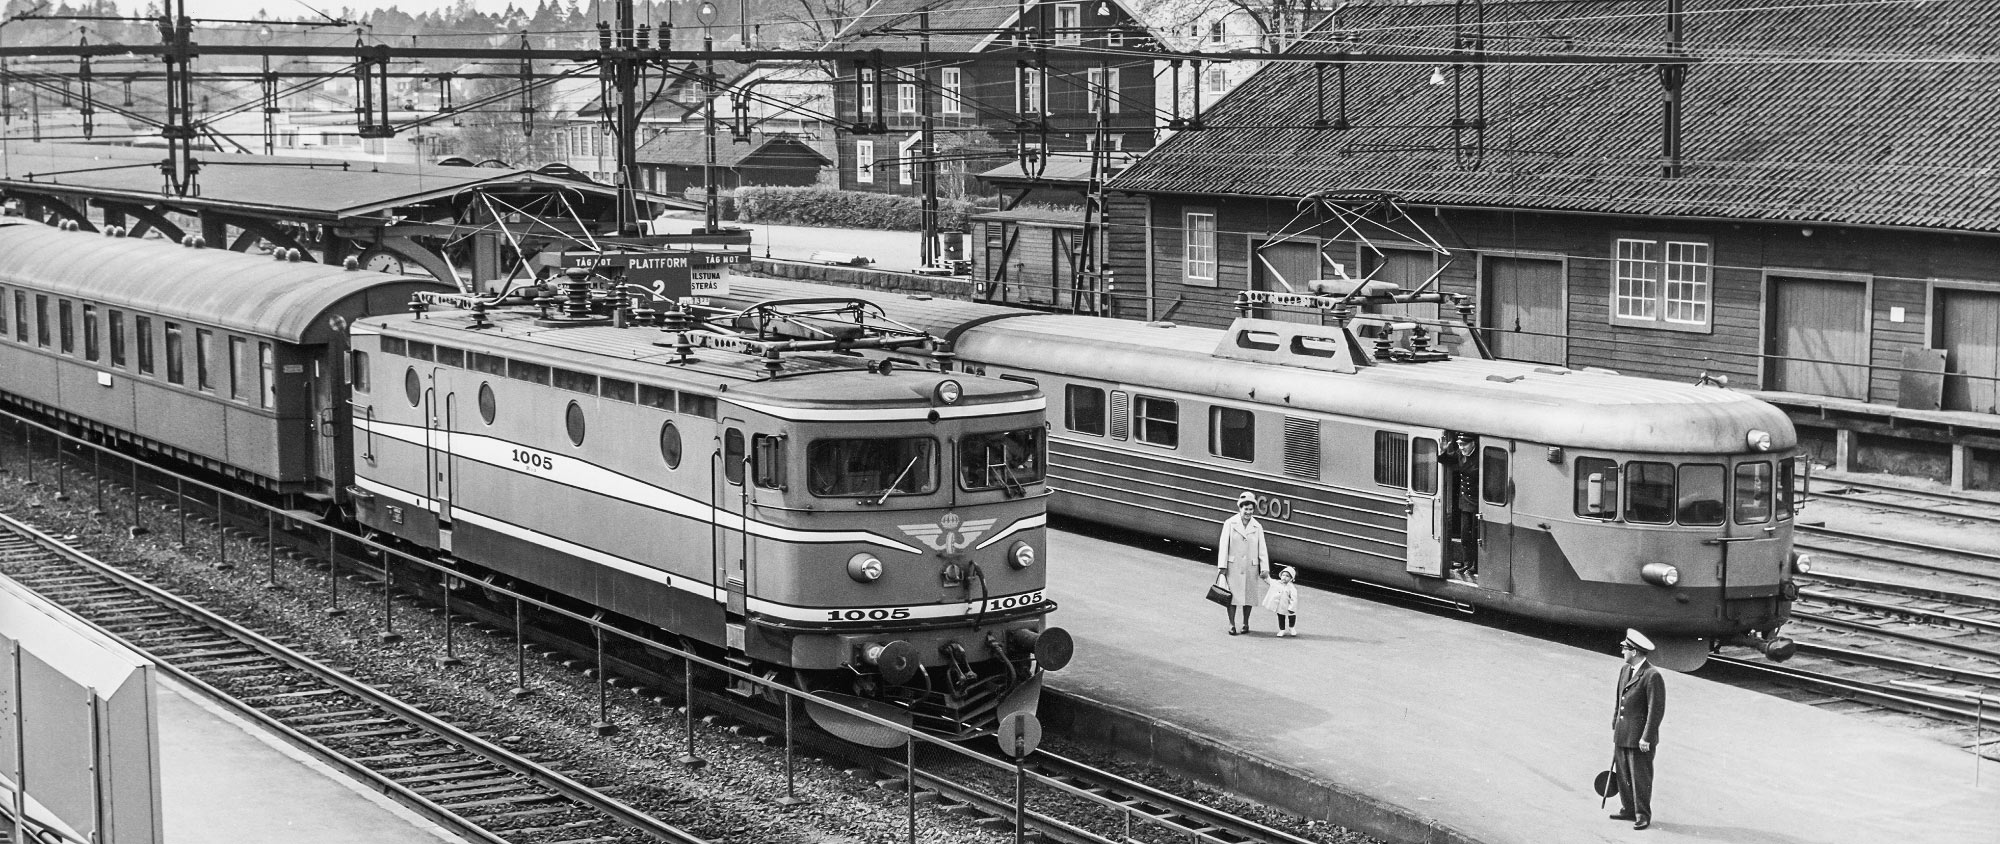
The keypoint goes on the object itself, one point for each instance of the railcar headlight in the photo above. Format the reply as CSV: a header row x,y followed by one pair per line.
x,y
1801,563
1758,440
948,392
1660,574
1022,555
864,568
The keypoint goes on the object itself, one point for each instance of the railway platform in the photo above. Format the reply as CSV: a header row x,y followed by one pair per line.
x,y
224,781
1418,727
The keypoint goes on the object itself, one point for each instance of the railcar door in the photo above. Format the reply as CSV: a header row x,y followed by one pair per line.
x,y
1426,539
1495,565
328,420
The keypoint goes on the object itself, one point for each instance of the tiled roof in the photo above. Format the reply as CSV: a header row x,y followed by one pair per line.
x,y
691,148
894,24
1862,113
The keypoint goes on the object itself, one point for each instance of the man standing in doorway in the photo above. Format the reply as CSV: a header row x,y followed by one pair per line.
x,y
1635,729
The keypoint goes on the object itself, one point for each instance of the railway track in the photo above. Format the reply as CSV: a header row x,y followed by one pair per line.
x,y
451,776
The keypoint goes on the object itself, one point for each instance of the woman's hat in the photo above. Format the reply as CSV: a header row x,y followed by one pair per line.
x,y
1285,570
1246,497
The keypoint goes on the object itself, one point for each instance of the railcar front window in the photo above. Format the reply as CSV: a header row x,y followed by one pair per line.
x,y
1007,460
1786,480
1649,493
1596,487
1701,495
1753,493
872,467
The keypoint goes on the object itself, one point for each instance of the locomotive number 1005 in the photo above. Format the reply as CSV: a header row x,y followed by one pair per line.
x,y
534,459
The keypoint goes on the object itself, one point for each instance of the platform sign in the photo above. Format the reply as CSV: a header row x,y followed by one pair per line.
x,y
664,277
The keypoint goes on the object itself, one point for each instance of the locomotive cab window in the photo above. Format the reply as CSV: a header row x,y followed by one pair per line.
x,y
1700,501
768,461
1232,433
1083,410
1007,460
1649,493
1156,421
1596,488
1753,493
732,456
875,467
357,371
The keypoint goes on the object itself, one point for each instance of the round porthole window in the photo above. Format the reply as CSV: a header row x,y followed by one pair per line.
x,y
413,386
670,445
573,420
486,406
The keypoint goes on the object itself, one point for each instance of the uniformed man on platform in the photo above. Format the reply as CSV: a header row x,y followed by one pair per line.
x,y
1635,729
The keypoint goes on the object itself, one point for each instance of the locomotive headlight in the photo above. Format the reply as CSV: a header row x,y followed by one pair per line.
x,y
1758,440
1801,563
1660,574
948,392
864,568
1022,555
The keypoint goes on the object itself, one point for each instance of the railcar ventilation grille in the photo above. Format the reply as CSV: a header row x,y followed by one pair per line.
x,y
1302,448
1121,414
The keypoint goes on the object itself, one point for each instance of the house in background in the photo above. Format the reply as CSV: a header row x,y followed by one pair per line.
x,y
674,162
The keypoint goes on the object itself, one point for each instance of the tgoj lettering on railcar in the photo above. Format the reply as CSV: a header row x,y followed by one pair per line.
x,y
1272,506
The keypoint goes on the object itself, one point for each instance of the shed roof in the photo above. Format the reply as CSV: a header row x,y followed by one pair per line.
x,y
1799,111
956,25
691,148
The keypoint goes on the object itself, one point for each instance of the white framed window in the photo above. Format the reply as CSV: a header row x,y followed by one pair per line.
x,y
867,94
1031,91
906,94
1114,142
1198,247
1114,38
1218,33
906,159
1069,24
1215,79
1101,83
864,161
1661,283
954,91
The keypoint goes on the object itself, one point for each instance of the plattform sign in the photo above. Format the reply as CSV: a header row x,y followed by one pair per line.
x,y
662,276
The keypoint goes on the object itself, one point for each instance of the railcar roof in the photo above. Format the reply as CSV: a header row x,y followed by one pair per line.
x,y
631,354
231,290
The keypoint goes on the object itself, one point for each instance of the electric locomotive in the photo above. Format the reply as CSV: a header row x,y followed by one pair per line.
x,y
801,503
1576,496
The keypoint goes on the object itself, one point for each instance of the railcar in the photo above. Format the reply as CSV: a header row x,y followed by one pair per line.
x,y
1575,496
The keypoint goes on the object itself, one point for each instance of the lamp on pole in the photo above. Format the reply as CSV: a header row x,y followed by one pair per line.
x,y
706,14
270,85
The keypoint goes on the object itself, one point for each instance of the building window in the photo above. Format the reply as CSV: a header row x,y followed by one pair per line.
x,y
1156,421
1069,24
1661,284
1114,38
1218,33
864,161
906,94
906,160
1031,91
1198,251
954,91
1215,79
1103,89
867,94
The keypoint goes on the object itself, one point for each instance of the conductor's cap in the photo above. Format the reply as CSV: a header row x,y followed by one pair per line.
x,y
1638,640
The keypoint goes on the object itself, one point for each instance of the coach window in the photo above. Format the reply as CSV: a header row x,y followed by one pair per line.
x,y
204,343
64,329
1753,493
90,346
1493,475
732,456
20,316
176,368
573,423
670,445
1083,410
5,326
1649,493
1006,460
1157,421
1392,459
1232,433
1423,465
1700,501
142,329
413,386
267,381
488,408
42,320
239,350
769,461
116,327
1596,487
873,468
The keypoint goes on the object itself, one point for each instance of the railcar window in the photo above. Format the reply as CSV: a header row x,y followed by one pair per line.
x,y
204,343
20,316
1493,475
1156,421
1423,465
422,351
1392,459
267,382
239,351
573,423
1701,495
64,328
732,456
670,445
1786,479
1753,493
575,382
769,461
521,370
872,467
702,406
413,386
1649,492
394,346
176,367
488,407
1083,410
451,357
659,397
1596,487
5,326
489,364
41,320
1006,460
357,371
1232,433
142,329
90,345
612,388
116,326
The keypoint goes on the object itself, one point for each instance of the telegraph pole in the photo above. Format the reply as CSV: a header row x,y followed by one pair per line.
x,y
180,128
928,252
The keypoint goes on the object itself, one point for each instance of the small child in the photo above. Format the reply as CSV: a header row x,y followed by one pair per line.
x,y
1283,599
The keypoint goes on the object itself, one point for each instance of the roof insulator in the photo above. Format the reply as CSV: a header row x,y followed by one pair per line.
x,y
295,255
187,241
351,263
200,242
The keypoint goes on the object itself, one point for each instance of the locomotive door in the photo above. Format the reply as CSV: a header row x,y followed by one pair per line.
x,y
440,406
1425,555
732,515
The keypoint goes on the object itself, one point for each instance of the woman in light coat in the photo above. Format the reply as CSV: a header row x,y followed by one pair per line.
x,y
1244,562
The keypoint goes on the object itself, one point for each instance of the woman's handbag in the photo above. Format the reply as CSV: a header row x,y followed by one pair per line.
x,y
1218,592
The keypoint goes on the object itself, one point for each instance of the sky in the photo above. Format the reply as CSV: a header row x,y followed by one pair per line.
x,y
294,8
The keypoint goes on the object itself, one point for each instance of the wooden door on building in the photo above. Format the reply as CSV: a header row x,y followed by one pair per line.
x,y
1819,337
1286,267
1525,306
1062,267
1405,268
1968,330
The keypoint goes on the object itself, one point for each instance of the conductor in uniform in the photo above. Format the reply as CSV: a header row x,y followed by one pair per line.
x,y
1635,729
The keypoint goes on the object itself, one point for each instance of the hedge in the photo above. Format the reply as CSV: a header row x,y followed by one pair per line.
x,y
829,208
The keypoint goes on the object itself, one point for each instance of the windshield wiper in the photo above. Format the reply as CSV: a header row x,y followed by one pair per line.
x,y
899,480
